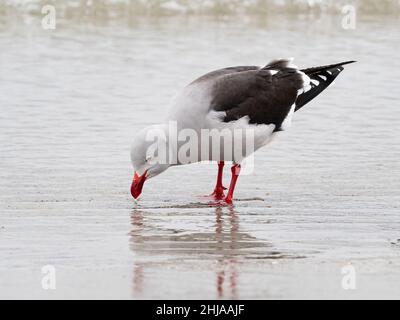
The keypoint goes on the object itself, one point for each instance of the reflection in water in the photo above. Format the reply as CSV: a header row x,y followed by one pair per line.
x,y
226,244
137,279
137,223
226,264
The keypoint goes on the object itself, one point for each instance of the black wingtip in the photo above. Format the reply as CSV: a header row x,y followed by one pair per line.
x,y
313,70
347,62
324,76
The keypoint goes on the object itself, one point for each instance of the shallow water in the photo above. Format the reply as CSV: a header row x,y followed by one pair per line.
x,y
324,194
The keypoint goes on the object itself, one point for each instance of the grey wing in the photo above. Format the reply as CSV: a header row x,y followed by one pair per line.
x,y
211,76
264,95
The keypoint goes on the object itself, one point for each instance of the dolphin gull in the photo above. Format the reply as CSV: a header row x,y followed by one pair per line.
x,y
259,101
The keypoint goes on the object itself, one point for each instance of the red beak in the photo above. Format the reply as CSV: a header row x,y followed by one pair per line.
x,y
137,184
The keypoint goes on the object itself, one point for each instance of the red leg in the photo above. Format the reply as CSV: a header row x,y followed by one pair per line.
x,y
235,174
219,188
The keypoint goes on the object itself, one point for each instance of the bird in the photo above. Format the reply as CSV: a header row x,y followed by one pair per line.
x,y
258,101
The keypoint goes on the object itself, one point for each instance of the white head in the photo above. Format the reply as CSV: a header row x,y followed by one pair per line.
x,y
145,156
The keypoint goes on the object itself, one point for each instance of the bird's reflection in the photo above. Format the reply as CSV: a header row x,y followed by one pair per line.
x,y
226,263
224,244
136,236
